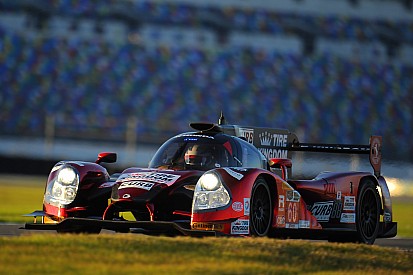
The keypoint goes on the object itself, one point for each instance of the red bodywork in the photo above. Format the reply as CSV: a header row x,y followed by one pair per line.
x,y
89,201
289,211
163,198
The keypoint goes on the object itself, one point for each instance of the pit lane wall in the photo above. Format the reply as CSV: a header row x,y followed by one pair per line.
x,y
37,156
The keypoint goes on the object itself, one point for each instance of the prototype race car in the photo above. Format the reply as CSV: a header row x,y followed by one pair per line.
x,y
222,180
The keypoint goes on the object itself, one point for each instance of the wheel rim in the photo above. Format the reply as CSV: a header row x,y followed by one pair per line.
x,y
368,214
261,210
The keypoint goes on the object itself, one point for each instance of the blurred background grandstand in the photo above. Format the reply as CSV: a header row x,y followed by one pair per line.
x,y
130,74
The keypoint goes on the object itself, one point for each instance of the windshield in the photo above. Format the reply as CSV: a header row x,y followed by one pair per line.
x,y
193,153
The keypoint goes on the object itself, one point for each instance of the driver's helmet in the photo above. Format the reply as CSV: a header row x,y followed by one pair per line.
x,y
199,155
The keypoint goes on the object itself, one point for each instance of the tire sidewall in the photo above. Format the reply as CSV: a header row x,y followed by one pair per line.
x,y
367,186
260,182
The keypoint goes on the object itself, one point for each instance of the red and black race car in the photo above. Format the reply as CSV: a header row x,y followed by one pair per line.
x,y
222,180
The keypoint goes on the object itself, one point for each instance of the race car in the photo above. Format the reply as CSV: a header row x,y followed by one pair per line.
x,y
222,179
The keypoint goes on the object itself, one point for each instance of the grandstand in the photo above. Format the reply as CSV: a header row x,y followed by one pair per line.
x,y
108,70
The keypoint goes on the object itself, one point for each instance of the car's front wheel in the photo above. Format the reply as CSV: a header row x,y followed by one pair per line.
x,y
261,209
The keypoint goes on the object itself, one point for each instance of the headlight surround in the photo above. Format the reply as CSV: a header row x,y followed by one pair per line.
x,y
62,190
210,193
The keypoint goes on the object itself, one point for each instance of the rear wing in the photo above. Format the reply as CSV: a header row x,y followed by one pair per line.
x,y
280,143
373,149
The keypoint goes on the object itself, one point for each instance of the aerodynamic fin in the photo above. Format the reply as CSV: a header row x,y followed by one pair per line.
x,y
373,149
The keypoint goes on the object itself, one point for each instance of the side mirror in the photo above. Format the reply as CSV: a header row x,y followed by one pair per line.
x,y
106,157
280,162
283,164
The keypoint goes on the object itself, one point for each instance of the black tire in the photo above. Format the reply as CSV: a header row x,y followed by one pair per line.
x,y
261,209
367,212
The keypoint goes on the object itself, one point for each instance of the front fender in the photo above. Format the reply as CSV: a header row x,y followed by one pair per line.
x,y
289,209
91,193
238,182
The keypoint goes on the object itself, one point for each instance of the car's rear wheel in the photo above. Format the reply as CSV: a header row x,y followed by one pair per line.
x,y
367,216
261,208
367,213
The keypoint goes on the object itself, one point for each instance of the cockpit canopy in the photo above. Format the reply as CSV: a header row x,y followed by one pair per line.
x,y
195,151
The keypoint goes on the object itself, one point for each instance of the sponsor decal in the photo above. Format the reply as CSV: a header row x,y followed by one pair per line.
x,y
292,212
330,188
293,196
265,139
291,225
322,210
239,169
237,206
281,220
335,214
349,203
157,177
190,139
246,206
137,184
274,153
240,227
375,154
387,217
234,174
269,139
107,184
207,226
348,218
281,202
338,195
303,224
247,133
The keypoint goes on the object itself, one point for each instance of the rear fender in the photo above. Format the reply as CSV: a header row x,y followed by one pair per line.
x,y
386,200
387,227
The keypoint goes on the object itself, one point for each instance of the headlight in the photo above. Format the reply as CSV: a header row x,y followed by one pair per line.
x,y
62,190
67,176
210,193
209,182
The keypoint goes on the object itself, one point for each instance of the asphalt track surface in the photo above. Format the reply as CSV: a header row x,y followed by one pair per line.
x,y
15,230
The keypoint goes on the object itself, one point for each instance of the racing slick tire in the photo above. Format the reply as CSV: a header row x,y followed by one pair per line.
x,y
367,216
261,209
367,212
